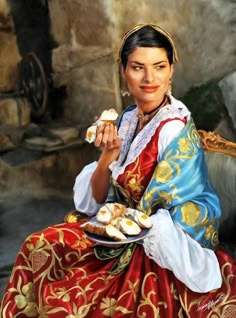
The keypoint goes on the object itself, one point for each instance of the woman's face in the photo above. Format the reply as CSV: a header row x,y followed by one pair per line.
x,y
147,75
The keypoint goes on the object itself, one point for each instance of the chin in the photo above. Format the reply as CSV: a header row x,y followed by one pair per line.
x,y
150,99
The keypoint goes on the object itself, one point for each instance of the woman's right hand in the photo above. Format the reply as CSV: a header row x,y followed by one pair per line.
x,y
108,139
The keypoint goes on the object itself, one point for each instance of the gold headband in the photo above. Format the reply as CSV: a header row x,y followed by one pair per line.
x,y
158,29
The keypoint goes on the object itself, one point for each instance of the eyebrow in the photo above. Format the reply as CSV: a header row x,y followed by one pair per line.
x,y
139,63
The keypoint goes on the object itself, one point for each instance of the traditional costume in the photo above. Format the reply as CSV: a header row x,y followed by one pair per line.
x,y
176,271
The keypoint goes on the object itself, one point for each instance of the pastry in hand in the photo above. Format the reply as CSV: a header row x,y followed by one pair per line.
x,y
107,116
91,133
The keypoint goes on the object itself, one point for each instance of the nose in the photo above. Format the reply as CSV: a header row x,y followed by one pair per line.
x,y
148,75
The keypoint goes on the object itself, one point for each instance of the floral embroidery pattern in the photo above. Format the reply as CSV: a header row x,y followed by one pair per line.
x,y
133,181
25,298
89,290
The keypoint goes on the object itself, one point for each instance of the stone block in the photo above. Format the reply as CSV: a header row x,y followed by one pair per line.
x,y
4,8
66,134
58,13
14,112
89,20
5,143
9,53
92,89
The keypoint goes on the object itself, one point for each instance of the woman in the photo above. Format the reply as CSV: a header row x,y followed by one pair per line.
x,y
152,162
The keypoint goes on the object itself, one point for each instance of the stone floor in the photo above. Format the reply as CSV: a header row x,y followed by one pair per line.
x,y
20,217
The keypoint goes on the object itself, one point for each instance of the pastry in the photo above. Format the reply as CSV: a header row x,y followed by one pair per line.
x,y
129,227
109,230
94,227
115,221
142,219
109,212
107,116
114,233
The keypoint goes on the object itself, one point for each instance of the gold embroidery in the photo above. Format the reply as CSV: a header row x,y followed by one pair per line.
x,y
191,213
133,180
147,298
184,145
164,172
87,294
210,230
82,242
215,238
165,197
108,305
215,304
25,298
38,260
229,311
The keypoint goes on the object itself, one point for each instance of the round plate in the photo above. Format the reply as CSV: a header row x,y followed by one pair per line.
x,y
101,240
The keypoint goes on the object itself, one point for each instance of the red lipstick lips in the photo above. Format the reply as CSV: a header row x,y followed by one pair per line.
x,y
149,89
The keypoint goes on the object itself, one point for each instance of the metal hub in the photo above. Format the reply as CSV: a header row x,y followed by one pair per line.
x,y
33,84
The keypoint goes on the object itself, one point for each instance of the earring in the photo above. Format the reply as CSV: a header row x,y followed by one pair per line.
x,y
169,90
124,90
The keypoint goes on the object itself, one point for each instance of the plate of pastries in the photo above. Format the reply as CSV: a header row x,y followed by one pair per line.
x,y
115,224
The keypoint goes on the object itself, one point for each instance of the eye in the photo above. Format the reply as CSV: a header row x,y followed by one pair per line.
x,y
160,66
137,67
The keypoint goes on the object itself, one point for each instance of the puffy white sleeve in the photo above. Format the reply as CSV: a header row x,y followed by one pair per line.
x,y
170,247
83,199
168,132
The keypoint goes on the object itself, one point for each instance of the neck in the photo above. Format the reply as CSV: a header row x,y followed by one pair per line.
x,y
155,109
144,118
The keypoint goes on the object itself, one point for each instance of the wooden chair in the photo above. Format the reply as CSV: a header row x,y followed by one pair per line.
x,y
221,161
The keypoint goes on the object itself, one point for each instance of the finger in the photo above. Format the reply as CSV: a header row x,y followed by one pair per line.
x,y
98,140
110,139
99,136
106,133
116,138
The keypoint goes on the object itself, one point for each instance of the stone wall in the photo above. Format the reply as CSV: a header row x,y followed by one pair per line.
x,y
88,39
85,59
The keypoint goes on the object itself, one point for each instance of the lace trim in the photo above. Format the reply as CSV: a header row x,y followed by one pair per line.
x,y
132,148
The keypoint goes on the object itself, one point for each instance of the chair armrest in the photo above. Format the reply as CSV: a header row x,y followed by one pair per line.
x,y
220,155
212,141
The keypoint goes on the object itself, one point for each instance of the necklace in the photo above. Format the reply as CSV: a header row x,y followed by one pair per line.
x,y
145,118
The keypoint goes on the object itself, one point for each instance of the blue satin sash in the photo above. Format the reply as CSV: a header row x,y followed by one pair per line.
x,y
180,184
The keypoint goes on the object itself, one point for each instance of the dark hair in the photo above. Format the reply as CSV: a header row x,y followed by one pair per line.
x,y
145,37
